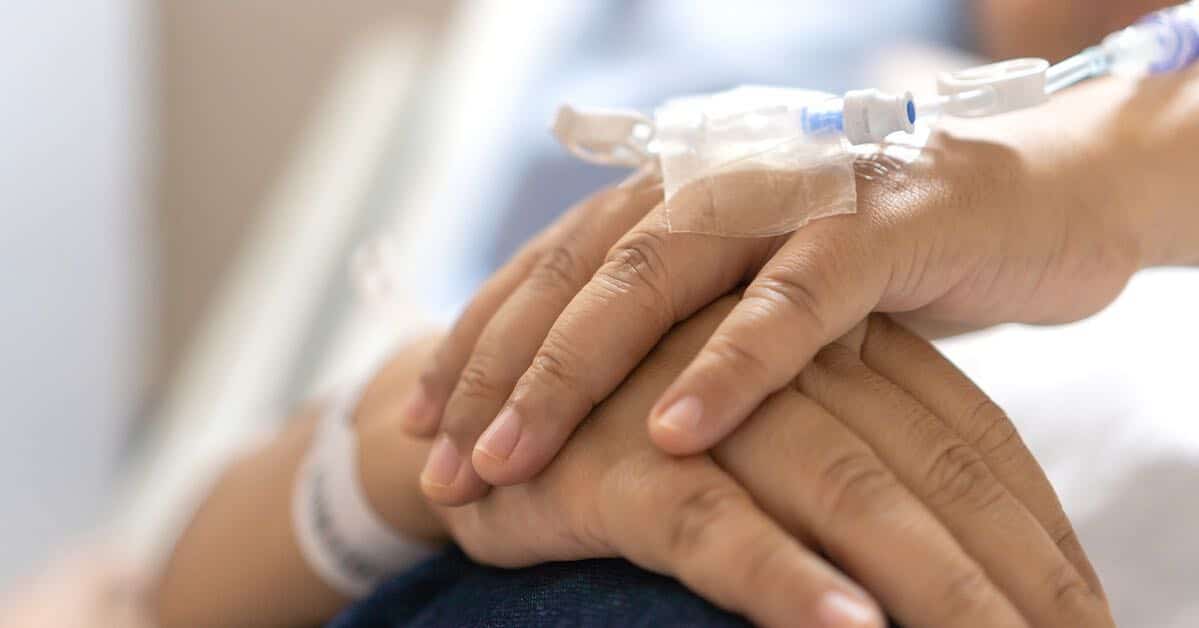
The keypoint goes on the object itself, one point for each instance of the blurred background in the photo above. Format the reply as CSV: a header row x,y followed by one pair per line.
x,y
185,186
142,140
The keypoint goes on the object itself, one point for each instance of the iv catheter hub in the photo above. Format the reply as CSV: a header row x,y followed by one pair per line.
x,y
871,115
1163,41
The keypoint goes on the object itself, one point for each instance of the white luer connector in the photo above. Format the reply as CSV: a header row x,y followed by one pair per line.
x,y
870,115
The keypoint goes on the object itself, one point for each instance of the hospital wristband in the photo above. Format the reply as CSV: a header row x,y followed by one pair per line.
x,y
342,538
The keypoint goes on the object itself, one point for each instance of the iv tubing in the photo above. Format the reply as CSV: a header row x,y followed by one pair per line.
x,y
1087,64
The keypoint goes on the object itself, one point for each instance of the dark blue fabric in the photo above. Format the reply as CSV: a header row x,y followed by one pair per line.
x,y
450,590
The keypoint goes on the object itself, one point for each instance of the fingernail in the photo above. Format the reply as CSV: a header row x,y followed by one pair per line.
x,y
442,466
500,438
838,610
419,411
682,415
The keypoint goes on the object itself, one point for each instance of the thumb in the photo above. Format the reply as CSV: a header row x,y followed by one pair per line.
x,y
821,283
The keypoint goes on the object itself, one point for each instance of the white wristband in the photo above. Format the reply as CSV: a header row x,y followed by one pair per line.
x,y
341,536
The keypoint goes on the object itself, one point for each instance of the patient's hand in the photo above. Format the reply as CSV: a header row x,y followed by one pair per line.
x,y
1036,216
881,457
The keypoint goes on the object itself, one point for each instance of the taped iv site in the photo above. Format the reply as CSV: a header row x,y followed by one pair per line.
x,y
796,144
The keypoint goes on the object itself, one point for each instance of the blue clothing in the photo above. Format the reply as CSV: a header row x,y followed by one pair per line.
x,y
450,590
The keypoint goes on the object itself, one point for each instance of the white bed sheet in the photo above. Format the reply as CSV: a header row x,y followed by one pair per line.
x,y
1109,407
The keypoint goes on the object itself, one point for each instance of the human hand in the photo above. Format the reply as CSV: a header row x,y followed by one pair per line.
x,y
882,457
999,222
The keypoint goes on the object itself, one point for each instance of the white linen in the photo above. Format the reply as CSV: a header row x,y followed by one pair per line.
x,y
1109,407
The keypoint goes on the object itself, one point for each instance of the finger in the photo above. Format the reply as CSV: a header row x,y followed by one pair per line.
x,y
824,280
699,526
423,410
964,591
682,517
917,367
651,279
957,485
507,344
860,514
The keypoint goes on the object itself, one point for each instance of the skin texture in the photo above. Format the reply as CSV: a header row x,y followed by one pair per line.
x,y
880,455
1016,219
880,478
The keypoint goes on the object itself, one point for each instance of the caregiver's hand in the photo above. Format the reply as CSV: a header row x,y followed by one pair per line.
x,y
1020,218
883,458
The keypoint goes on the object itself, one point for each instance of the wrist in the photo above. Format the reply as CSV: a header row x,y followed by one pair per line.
x,y
1144,151
389,469
390,460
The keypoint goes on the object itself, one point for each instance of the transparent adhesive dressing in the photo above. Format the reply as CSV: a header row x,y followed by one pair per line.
x,y
738,163
763,161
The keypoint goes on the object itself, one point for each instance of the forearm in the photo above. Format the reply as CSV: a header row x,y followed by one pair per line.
x,y
1124,148
238,562
1152,138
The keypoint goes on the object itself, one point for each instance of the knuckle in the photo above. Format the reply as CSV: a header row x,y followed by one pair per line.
x,y
838,358
1072,596
476,382
559,267
694,515
733,356
995,435
556,365
1062,532
792,290
641,253
966,594
853,485
638,265
958,476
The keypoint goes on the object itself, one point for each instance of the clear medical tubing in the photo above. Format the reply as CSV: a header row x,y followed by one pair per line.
x,y
1087,64
1163,41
